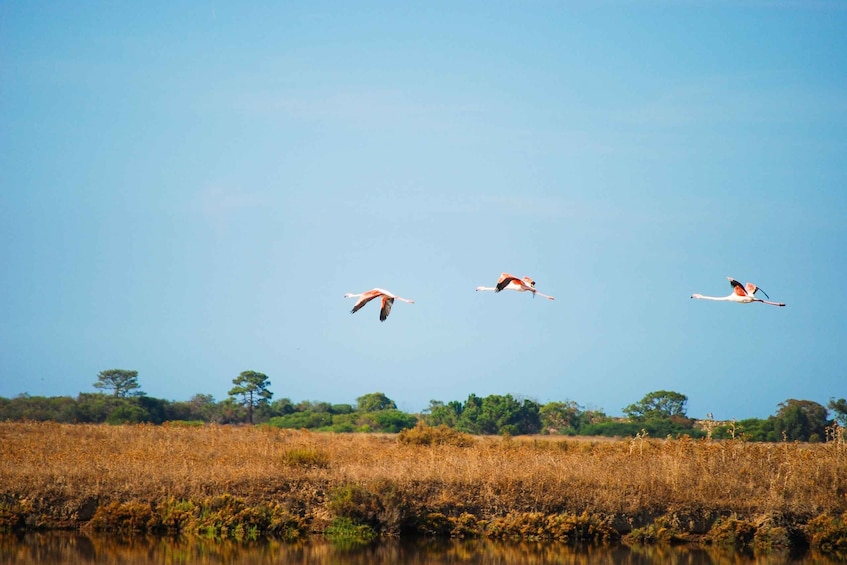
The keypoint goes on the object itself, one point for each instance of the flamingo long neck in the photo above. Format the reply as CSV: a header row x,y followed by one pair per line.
x,y
718,298
488,288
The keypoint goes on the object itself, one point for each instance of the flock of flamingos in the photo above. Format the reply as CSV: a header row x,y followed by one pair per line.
x,y
741,294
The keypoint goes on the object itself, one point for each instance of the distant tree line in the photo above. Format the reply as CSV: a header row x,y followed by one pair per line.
x,y
659,414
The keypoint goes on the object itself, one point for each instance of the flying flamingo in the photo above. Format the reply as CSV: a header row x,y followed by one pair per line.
x,y
511,282
387,301
741,294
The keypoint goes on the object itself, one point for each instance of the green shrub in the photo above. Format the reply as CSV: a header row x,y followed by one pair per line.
x,y
307,457
355,503
346,533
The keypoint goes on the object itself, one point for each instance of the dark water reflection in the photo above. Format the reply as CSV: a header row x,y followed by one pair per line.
x,y
73,548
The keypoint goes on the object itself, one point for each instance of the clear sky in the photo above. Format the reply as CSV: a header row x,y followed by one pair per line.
x,y
187,189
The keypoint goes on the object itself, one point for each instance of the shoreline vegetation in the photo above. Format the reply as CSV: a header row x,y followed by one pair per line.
x,y
252,482
659,414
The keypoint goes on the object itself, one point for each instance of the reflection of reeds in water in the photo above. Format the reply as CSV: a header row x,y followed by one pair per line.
x,y
60,548
66,475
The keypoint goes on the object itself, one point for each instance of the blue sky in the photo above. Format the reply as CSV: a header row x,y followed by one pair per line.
x,y
189,189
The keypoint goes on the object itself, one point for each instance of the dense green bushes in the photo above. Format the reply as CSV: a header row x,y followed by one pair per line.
x,y
659,414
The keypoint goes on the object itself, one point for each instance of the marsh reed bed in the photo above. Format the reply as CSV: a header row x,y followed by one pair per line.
x,y
225,481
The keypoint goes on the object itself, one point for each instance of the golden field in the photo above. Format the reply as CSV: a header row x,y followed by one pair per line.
x,y
230,481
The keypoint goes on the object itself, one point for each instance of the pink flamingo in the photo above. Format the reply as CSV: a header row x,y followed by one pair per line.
x,y
387,301
741,294
511,282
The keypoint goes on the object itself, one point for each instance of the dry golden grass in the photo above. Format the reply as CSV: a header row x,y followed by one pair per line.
x,y
55,475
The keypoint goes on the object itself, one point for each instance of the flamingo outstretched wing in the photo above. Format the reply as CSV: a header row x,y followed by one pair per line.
x,y
737,287
387,303
505,280
364,299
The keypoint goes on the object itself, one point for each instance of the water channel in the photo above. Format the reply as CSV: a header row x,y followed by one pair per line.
x,y
74,548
